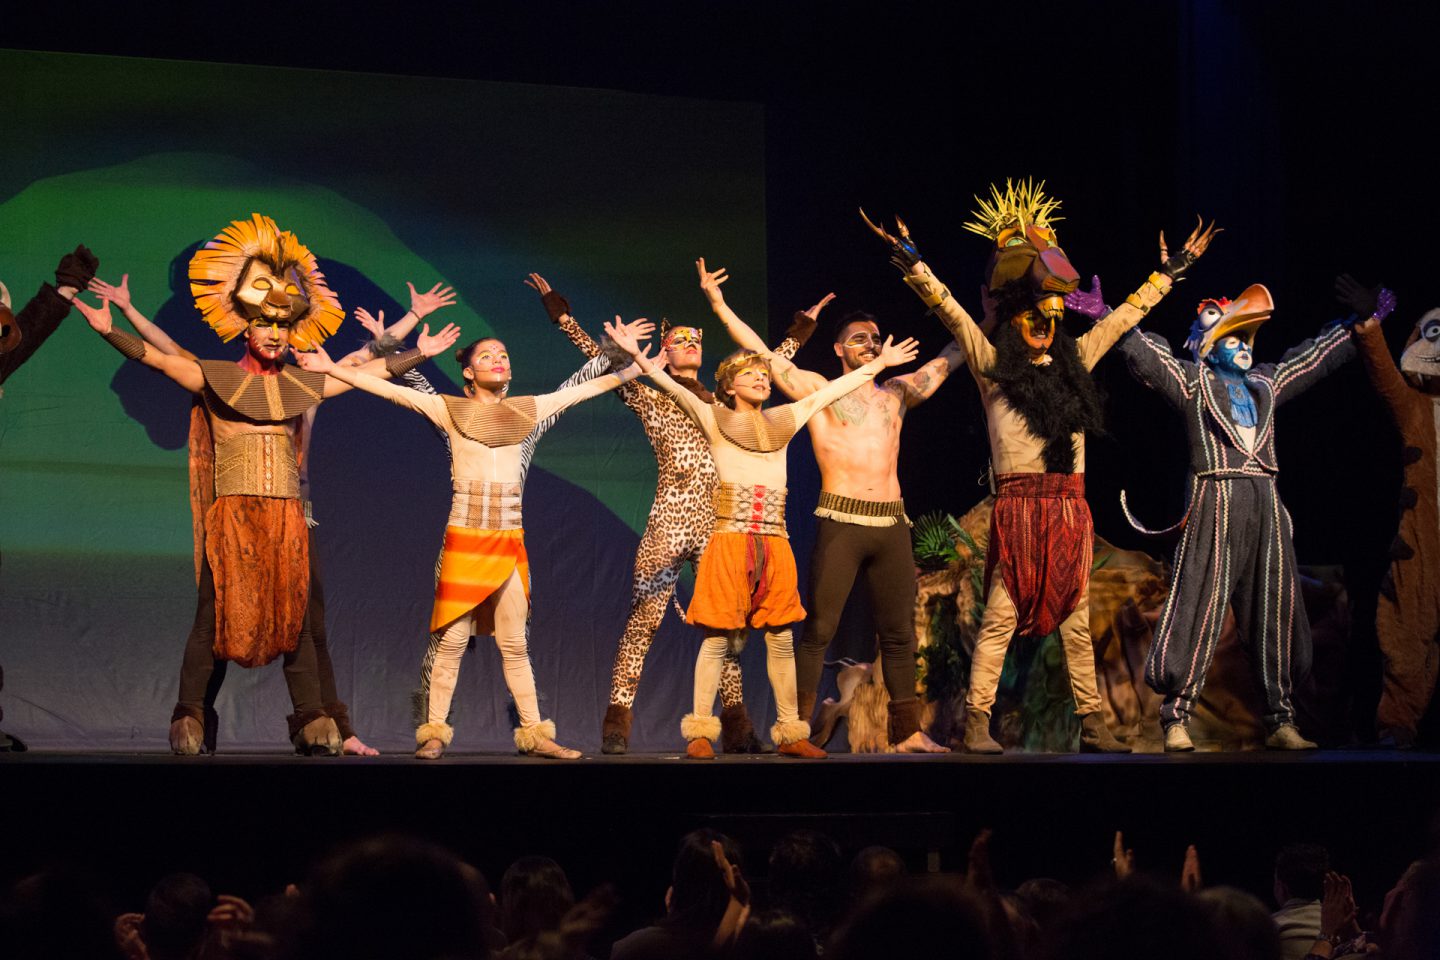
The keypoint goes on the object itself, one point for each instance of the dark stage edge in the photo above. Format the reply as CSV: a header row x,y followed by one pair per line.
x,y
252,821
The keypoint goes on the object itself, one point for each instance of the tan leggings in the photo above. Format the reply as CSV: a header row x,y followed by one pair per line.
x,y
998,626
779,664
511,609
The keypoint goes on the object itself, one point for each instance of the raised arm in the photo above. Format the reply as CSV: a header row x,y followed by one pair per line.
x,y
41,316
1094,344
976,348
915,388
558,309
1148,356
793,381
979,354
550,405
693,407
421,306
153,335
892,354
183,370
1380,367
1309,362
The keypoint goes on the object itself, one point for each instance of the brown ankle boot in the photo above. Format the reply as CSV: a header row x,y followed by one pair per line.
x,y
1095,737
615,729
737,733
318,737
977,733
187,737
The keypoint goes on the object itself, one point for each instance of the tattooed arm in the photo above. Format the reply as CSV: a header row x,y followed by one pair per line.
x,y
915,388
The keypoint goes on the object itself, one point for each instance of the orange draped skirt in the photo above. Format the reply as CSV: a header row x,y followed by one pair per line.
x,y
745,580
473,565
259,552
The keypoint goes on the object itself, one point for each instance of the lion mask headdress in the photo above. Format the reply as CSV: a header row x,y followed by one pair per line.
x,y
253,270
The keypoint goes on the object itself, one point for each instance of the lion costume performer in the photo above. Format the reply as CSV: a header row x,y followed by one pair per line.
x,y
253,559
676,531
1039,400
1237,546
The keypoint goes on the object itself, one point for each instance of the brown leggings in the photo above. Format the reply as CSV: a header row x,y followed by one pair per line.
x,y
884,556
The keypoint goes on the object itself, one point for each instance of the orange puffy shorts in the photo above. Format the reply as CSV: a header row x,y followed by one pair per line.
x,y
745,580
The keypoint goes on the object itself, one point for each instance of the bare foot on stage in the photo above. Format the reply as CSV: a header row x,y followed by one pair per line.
x,y
355,747
917,742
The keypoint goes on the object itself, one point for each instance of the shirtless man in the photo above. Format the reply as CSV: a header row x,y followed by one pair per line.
x,y
862,524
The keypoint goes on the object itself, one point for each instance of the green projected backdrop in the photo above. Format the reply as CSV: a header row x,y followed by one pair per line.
x,y
610,196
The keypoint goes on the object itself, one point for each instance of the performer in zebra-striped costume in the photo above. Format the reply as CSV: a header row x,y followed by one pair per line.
x,y
483,585
1236,548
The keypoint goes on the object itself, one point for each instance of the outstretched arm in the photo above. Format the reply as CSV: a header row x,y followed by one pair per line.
x,y
41,316
1100,338
428,405
915,388
427,345
558,309
1308,363
904,254
693,407
548,405
892,354
154,336
975,347
182,370
1148,356
790,378
421,306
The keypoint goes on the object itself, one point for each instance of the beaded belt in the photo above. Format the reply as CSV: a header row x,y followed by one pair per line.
x,y
483,505
741,508
256,465
866,513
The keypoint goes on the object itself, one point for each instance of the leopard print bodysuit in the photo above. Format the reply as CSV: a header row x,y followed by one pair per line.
x,y
678,526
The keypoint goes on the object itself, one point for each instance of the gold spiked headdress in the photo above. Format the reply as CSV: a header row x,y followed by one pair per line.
x,y
1021,204
218,267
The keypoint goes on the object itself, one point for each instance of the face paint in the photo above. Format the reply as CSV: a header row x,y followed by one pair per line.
x,y
683,337
1037,330
268,340
863,338
1231,355
489,365
683,350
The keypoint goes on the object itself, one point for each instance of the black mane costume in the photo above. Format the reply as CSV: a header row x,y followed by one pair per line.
x,y
1056,400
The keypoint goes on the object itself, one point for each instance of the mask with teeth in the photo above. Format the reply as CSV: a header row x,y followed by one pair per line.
x,y
1422,354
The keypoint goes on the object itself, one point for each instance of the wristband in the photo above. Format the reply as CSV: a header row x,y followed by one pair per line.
x,y
399,364
129,345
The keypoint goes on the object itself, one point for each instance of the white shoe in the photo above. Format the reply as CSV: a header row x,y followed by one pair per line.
x,y
1177,740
